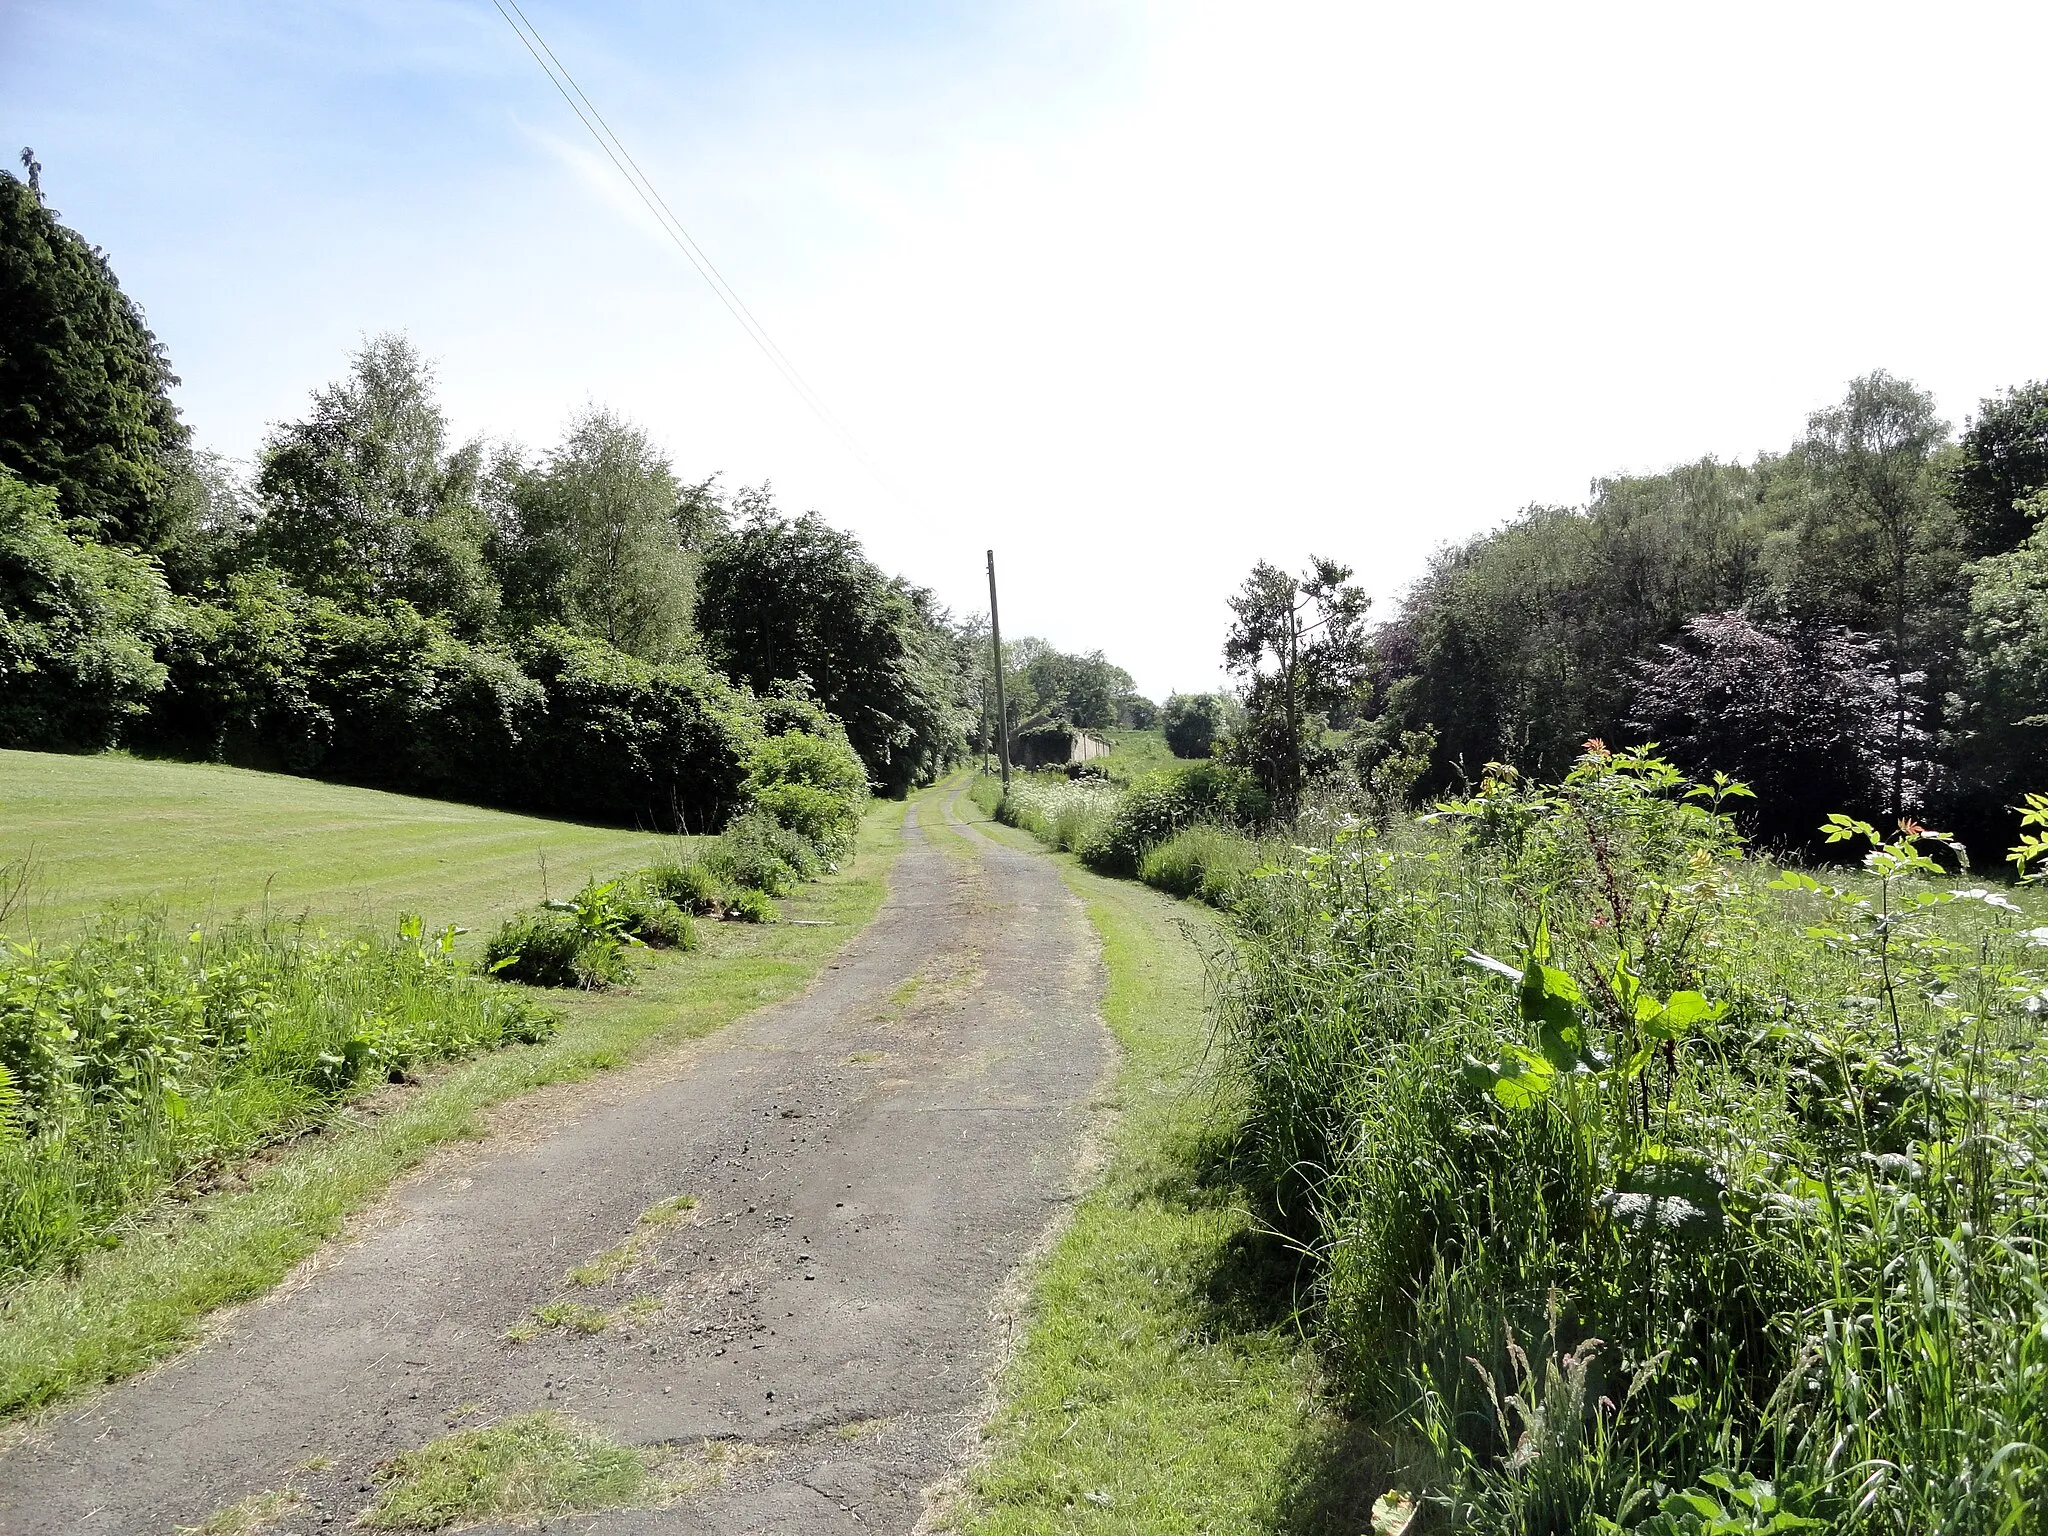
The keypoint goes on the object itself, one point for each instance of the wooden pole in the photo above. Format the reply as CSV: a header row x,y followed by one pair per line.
x,y
995,631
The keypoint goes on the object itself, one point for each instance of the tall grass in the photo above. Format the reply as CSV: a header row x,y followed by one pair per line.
x,y
1203,863
1062,813
1651,1194
1181,823
146,1056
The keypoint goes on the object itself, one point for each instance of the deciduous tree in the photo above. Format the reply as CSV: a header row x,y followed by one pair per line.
x,y
1300,646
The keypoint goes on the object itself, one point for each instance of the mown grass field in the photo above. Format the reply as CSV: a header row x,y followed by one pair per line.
x,y
108,831
1135,752
342,850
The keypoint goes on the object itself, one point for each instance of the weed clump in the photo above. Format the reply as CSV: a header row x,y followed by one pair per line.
x,y
749,906
547,949
758,853
143,1056
537,1464
582,942
690,886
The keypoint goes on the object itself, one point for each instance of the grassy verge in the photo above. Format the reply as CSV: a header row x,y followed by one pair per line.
x,y
125,1308
1161,1386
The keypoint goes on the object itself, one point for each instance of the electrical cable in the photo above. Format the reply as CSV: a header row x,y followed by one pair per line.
x,y
643,187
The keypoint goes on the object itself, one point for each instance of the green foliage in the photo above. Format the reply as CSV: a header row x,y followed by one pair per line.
x,y
1160,804
1135,712
791,599
1645,1196
1202,862
269,676
365,501
1300,646
753,906
656,921
2001,469
812,785
1194,722
623,739
691,887
756,852
551,949
1524,643
143,1055
602,539
1078,690
582,942
2007,661
78,621
85,406
1515,647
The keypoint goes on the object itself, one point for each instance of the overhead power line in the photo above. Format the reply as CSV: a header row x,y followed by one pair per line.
x,y
643,186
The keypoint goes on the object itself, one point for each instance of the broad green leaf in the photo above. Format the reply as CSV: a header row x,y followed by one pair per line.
x,y
1480,1075
1525,1079
1563,1044
1393,1514
1682,1010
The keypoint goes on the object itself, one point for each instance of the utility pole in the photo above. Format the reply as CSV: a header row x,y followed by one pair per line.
x,y
995,631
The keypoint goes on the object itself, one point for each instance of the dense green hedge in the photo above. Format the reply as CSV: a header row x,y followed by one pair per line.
x,y
78,624
269,676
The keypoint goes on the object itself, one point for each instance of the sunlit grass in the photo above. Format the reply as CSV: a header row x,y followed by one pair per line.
x,y
1161,1385
131,1306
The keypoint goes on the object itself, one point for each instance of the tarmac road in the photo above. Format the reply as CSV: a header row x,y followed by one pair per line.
x,y
873,1160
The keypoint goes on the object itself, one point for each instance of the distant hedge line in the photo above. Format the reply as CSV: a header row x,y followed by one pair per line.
x,y
96,652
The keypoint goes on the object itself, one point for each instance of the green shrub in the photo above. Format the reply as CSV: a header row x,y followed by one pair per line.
x,y
551,949
817,816
144,1053
750,905
630,741
266,675
689,886
78,622
1160,803
811,785
758,853
1203,862
1639,1187
656,921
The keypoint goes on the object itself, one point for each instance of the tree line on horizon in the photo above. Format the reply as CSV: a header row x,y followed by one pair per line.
x,y
1857,623
580,630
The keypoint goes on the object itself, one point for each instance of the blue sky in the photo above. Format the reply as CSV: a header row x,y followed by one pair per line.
x,y
1137,293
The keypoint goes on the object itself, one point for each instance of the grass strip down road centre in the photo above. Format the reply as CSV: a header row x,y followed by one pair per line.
x,y
1161,1386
